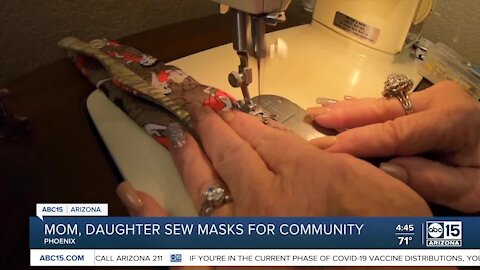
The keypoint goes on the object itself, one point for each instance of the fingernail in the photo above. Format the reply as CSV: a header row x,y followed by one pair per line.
x,y
176,135
347,97
129,197
317,111
324,142
308,119
395,170
326,101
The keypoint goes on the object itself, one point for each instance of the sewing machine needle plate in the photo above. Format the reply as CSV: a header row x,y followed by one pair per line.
x,y
291,115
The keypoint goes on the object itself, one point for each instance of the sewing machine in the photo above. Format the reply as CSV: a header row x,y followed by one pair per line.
x,y
349,49
352,48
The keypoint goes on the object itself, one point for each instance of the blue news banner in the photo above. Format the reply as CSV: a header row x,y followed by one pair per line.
x,y
254,233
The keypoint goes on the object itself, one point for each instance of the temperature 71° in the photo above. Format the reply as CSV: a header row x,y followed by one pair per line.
x,y
404,240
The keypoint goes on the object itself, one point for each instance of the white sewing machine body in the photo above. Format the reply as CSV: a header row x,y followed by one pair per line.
x,y
321,61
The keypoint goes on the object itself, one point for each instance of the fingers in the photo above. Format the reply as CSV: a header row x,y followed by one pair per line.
x,y
408,135
455,187
194,167
278,148
139,203
360,112
236,162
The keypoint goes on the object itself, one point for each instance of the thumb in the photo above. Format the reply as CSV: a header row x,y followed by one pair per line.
x,y
455,187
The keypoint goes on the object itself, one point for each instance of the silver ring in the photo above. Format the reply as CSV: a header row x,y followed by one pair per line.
x,y
397,85
214,197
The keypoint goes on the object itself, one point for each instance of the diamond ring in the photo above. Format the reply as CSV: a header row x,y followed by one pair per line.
x,y
397,85
214,197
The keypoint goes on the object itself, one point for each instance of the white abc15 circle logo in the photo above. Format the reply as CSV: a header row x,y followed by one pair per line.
x,y
451,230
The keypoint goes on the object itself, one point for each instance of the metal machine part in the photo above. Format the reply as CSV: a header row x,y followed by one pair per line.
x,y
259,44
258,30
420,48
256,6
255,14
243,77
291,115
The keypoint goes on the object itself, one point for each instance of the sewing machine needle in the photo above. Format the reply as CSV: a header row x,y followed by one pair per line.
x,y
260,52
259,81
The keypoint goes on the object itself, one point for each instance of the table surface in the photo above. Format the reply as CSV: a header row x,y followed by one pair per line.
x,y
63,159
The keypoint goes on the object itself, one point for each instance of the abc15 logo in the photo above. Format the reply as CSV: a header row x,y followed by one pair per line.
x,y
447,230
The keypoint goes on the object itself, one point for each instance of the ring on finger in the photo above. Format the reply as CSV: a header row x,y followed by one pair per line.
x,y
214,197
397,85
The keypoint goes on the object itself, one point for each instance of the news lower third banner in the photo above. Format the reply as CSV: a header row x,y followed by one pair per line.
x,y
130,241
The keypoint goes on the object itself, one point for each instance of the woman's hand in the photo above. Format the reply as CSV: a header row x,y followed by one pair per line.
x,y
445,126
272,172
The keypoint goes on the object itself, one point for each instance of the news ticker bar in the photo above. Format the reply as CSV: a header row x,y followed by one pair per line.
x,y
254,257
254,233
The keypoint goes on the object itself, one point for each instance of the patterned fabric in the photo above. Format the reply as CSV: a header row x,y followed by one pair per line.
x,y
151,93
